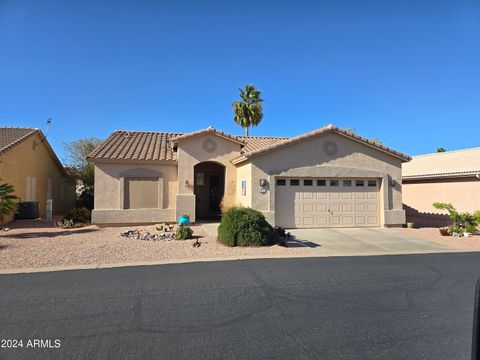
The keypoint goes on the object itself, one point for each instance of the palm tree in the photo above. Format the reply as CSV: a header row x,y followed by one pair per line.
x,y
7,200
248,110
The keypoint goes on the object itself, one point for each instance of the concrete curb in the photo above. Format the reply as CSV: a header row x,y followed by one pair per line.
x,y
193,260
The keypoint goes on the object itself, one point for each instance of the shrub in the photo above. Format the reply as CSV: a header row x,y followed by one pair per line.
x,y
183,233
445,231
245,227
461,221
78,215
470,228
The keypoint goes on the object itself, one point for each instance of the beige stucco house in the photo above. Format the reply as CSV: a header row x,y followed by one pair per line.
x,y
451,177
29,163
325,178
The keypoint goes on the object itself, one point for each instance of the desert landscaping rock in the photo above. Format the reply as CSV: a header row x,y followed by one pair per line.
x,y
147,236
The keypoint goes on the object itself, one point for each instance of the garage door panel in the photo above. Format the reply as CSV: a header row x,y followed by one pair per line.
x,y
308,208
345,204
321,208
321,221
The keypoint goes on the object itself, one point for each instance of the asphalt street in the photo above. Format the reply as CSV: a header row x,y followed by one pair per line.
x,y
383,307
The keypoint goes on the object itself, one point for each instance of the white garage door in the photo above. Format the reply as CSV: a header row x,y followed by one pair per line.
x,y
310,203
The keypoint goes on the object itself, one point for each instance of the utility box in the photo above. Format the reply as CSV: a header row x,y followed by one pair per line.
x,y
27,210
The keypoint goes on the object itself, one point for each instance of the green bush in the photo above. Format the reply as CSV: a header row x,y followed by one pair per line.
x,y
246,227
183,233
78,215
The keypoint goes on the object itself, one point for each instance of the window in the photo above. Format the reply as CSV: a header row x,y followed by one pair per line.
x,y
321,182
141,193
307,182
294,182
334,182
359,183
281,182
347,183
372,183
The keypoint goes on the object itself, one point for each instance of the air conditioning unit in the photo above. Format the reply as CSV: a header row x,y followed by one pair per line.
x,y
27,210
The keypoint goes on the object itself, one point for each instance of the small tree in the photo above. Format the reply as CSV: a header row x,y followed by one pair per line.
x,y
7,200
83,170
440,150
461,221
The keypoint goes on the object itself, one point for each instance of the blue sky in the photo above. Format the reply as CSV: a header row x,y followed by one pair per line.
x,y
407,72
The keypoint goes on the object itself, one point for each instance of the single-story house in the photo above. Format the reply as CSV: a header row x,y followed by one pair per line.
x,y
325,178
451,177
28,162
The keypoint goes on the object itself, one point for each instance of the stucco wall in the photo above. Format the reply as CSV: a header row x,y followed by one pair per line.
x,y
347,158
463,193
244,173
32,158
191,152
108,182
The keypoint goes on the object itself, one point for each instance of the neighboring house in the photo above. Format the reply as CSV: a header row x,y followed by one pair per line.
x,y
28,163
451,177
325,178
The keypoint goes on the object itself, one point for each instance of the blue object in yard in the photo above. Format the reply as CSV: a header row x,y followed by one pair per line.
x,y
183,220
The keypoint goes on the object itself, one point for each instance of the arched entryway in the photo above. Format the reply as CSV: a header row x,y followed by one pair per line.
x,y
209,184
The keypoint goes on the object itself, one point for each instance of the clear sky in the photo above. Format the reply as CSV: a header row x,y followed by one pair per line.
x,y
407,72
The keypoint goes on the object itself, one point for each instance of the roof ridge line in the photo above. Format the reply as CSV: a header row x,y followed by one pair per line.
x,y
446,152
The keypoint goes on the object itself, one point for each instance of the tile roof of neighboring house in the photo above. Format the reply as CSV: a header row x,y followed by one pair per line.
x,y
147,145
445,164
11,136
329,128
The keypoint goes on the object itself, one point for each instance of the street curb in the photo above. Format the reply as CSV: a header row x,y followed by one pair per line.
x,y
192,260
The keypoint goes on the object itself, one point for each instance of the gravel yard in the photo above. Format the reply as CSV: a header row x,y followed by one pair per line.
x,y
32,244
471,243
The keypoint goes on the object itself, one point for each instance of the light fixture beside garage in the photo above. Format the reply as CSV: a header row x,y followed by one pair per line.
x,y
393,183
263,185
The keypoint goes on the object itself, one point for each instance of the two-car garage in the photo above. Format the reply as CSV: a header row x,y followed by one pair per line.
x,y
327,202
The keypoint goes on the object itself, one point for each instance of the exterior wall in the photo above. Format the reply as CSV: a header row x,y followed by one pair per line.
x,y
191,152
110,188
347,158
33,158
463,193
244,173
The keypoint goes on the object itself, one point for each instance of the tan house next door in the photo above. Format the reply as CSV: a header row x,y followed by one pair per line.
x,y
312,202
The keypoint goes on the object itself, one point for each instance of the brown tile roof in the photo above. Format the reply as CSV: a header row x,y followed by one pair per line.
x,y
329,128
11,136
146,145
135,145
449,163
209,130
260,142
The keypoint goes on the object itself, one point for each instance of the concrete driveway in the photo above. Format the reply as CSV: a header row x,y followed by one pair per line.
x,y
362,241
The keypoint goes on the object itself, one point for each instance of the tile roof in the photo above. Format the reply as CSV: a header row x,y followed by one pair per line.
x,y
147,145
209,130
449,163
11,136
135,145
325,129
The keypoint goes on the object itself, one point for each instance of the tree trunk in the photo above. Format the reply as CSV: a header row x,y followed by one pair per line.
x,y
246,132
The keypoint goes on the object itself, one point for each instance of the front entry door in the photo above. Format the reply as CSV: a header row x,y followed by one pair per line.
x,y
214,194
209,190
